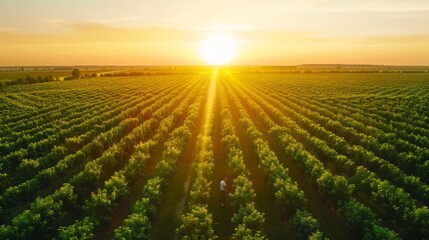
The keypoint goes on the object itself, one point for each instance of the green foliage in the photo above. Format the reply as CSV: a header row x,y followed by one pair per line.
x,y
152,190
247,219
164,169
75,73
334,186
235,162
197,224
288,196
248,216
3,180
358,217
27,80
79,230
200,191
419,220
28,166
304,224
101,204
136,226
138,223
243,191
317,235
378,232
134,169
45,215
394,198
69,153
243,233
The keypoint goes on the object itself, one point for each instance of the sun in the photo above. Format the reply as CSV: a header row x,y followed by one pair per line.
x,y
218,49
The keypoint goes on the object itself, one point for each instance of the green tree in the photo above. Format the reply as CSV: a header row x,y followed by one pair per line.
x,y
288,196
137,226
304,224
79,230
249,216
243,192
198,224
75,73
358,217
378,232
242,232
420,222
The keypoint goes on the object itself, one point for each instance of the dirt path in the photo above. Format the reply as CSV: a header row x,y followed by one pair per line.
x,y
221,215
273,227
174,199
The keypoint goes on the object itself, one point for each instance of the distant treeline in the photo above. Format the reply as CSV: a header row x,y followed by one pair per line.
x,y
39,79
333,71
28,80
75,74
132,74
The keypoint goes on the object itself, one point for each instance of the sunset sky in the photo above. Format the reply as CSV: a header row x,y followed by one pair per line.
x,y
269,32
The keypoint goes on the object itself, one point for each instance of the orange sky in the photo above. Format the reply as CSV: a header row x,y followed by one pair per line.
x,y
270,32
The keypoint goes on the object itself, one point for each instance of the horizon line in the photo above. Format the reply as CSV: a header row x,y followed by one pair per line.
x,y
226,65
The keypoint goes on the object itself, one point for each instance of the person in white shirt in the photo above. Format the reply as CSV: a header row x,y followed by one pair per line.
x,y
223,191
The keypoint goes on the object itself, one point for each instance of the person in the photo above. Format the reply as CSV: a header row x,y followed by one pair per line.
x,y
223,191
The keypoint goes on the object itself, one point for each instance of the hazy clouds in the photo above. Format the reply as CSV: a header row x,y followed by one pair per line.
x,y
301,31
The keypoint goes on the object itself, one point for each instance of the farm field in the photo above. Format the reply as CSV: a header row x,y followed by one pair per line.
x,y
306,156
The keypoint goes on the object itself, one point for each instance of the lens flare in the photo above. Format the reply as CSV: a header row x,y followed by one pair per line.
x,y
218,49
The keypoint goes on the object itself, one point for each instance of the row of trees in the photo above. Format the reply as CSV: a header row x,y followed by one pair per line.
x,y
362,180
54,127
67,99
72,138
380,138
247,219
56,121
28,80
393,173
374,108
408,118
73,163
359,151
406,138
197,222
83,184
138,224
336,187
75,74
288,197
102,202
111,118
381,166
56,175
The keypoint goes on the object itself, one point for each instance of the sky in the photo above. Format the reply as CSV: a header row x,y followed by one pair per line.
x,y
167,32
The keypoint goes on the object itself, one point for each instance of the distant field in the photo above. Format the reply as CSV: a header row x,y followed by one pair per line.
x,y
307,156
15,75
6,75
